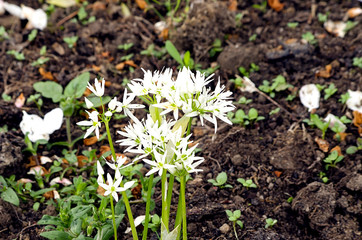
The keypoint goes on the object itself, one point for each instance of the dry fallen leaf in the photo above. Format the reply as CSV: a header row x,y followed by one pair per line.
x,y
325,73
277,173
108,83
96,68
276,5
19,102
101,191
164,34
99,5
120,66
338,149
90,141
82,160
131,63
46,75
141,4
335,28
233,5
357,121
340,136
354,12
137,191
323,144
49,195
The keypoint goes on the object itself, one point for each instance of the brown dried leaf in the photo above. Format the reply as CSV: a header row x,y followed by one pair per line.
x,y
354,12
277,173
82,160
276,5
325,73
49,195
46,75
101,191
137,191
19,102
90,141
120,66
164,34
323,144
131,63
141,4
98,6
233,5
357,121
96,68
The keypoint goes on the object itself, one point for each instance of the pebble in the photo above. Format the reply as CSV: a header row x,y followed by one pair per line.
x,y
225,228
237,160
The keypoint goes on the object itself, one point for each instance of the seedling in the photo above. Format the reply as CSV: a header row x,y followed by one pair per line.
x,y
316,121
32,35
246,73
261,7
216,47
151,51
127,57
3,33
292,24
354,149
344,97
71,41
322,18
328,92
247,183
125,46
155,224
7,192
320,87
270,222
244,100
4,129
350,25
323,177
243,119
18,56
253,37
279,84
36,98
290,200
237,81
40,61
274,111
220,181
357,61
309,37
186,61
332,159
82,16
233,217
5,97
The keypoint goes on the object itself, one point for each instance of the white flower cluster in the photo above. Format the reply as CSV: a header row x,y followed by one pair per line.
x,y
187,93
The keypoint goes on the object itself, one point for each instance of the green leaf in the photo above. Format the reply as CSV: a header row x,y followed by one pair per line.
x,y
32,35
240,114
36,206
229,213
49,89
50,220
352,150
10,196
187,58
240,223
77,86
76,226
237,213
171,49
222,178
253,114
41,192
56,235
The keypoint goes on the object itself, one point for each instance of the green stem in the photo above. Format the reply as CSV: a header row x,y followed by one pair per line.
x,y
183,206
124,195
69,136
113,218
189,127
164,216
148,205
178,218
236,234
169,193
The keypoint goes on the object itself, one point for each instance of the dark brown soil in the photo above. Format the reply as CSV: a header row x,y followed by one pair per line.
x,y
278,153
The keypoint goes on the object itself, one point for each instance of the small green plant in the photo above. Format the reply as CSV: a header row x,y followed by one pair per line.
x,y
82,16
32,35
354,149
350,25
151,51
7,192
238,18
320,87
310,38
270,222
220,181
3,33
241,118
357,61
4,129
186,61
237,81
332,159
278,84
328,92
253,37
290,199
274,111
18,56
343,98
323,177
40,61
216,48
71,41
244,100
262,6
322,18
319,123
125,46
5,97
127,57
292,24
36,98
155,223
247,183
246,73
234,218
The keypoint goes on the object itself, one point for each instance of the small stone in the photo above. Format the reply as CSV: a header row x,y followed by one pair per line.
x,y
237,160
58,48
355,183
225,228
238,200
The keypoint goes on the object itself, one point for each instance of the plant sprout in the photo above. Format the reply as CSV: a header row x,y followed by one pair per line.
x,y
220,181
233,217
270,222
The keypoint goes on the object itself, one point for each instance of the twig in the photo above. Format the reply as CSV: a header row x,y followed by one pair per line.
x,y
312,12
21,233
67,18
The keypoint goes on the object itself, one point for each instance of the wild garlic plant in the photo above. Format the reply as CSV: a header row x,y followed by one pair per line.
x,y
161,142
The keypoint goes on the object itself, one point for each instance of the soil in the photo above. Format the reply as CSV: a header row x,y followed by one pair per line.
x,y
279,153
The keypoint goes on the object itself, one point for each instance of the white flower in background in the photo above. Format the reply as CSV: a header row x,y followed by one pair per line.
x,y
138,220
14,10
133,134
2,9
334,121
185,157
354,101
88,103
38,128
64,181
113,104
100,172
159,164
113,187
309,96
118,165
37,18
93,123
98,88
